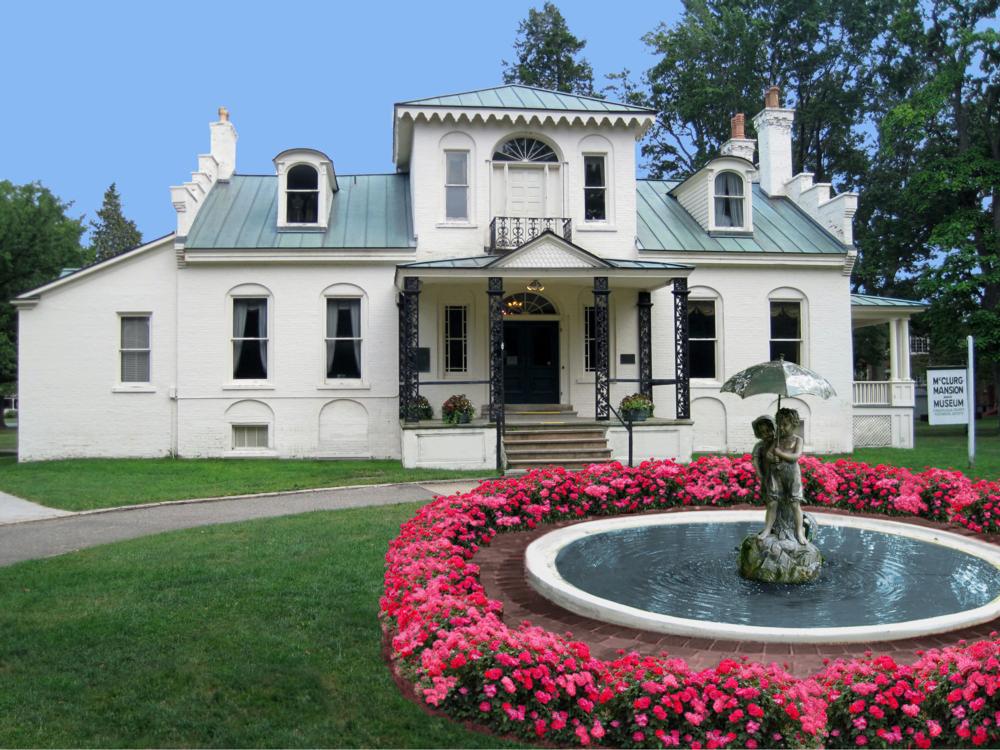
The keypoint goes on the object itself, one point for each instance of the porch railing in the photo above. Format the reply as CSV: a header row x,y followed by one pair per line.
x,y
509,232
883,393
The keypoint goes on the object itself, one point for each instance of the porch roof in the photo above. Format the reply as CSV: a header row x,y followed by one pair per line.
x,y
870,300
487,261
517,96
869,310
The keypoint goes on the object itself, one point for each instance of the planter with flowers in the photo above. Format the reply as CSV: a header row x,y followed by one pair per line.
x,y
457,410
636,408
423,409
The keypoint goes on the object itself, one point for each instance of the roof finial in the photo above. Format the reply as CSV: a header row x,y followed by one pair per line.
x,y
223,114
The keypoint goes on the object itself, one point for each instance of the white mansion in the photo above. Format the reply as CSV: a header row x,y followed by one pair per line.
x,y
513,257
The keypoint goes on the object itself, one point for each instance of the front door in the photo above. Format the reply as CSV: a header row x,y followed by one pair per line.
x,y
531,362
526,192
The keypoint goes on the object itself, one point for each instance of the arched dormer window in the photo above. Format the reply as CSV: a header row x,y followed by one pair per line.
x,y
729,201
525,149
302,195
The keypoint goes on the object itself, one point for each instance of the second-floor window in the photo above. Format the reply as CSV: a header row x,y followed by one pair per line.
x,y
595,189
729,201
456,186
302,195
786,331
250,338
343,339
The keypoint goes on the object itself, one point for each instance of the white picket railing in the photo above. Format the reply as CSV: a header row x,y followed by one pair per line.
x,y
872,393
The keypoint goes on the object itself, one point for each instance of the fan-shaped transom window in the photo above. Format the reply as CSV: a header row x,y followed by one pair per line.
x,y
527,303
302,191
525,149
729,200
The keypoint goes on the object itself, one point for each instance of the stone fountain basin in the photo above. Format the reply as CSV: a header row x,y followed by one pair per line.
x,y
544,576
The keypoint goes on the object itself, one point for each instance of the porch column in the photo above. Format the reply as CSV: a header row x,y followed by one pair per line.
x,y
602,370
645,305
409,338
494,288
682,359
904,342
894,373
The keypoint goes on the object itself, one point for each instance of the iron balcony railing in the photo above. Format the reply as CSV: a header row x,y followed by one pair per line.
x,y
509,232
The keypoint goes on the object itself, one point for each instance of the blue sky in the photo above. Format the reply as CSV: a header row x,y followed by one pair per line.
x,y
123,92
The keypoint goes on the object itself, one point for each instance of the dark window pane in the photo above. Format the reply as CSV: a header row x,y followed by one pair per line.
x,y
729,183
593,204
303,208
702,359
135,332
250,318
344,358
593,171
457,203
302,177
455,162
790,350
250,360
785,320
135,367
701,319
456,358
590,326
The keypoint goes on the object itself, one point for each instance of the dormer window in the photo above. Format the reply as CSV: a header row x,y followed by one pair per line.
x,y
306,186
729,200
302,195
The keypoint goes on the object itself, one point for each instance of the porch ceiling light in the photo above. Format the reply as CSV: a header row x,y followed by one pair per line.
x,y
536,286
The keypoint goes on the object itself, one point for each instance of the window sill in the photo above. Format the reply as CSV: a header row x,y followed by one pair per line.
x,y
456,225
595,226
713,383
250,385
302,227
344,385
730,232
137,388
252,453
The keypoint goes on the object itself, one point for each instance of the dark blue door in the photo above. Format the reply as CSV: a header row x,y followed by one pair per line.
x,y
531,362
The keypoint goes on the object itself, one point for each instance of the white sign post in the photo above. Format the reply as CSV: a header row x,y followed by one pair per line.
x,y
947,396
971,380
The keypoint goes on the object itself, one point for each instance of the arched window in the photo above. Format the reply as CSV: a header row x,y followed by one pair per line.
x,y
302,195
729,200
525,149
527,303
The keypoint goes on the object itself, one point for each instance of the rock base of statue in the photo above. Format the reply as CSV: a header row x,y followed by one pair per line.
x,y
780,557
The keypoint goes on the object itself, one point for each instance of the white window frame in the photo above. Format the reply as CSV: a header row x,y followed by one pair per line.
x,y
326,183
449,336
327,339
269,341
135,385
467,219
588,335
311,191
717,376
235,426
607,190
747,227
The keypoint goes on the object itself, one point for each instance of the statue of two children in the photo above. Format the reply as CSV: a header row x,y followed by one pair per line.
x,y
776,461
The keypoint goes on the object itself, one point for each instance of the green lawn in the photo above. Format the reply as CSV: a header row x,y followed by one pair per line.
x,y
259,634
84,484
943,447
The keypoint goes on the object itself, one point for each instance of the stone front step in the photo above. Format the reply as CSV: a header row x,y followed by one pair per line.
x,y
558,454
529,446
544,443
538,409
527,465
526,433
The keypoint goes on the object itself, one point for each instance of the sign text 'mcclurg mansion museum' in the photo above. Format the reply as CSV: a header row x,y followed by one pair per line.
x,y
513,257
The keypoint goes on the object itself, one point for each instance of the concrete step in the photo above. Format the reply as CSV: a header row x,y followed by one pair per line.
x,y
558,455
525,465
539,409
531,432
547,444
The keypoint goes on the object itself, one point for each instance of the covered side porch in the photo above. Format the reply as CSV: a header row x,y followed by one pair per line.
x,y
544,341
884,391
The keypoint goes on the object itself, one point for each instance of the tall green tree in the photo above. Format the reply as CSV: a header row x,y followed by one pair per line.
x,y
112,233
547,55
945,127
37,240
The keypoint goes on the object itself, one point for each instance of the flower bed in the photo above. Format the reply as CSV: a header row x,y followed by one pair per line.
x,y
449,640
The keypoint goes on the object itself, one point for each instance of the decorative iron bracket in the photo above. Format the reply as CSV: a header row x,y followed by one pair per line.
x,y
645,310
409,390
494,288
602,367
682,357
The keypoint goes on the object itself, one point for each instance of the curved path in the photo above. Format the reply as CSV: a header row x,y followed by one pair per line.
x,y
30,540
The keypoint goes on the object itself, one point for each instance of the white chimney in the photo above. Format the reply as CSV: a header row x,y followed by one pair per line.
x,y
224,144
738,144
774,143
217,166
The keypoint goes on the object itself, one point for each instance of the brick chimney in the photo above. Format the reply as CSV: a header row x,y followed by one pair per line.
x,y
774,143
738,144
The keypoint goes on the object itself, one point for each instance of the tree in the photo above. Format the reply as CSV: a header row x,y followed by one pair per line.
x,y
37,240
112,233
547,55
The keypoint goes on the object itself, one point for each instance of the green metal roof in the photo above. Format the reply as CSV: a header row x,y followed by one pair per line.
x,y
368,211
526,97
870,300
483,261
779,226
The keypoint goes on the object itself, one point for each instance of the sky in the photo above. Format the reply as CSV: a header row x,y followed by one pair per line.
x,y
123,92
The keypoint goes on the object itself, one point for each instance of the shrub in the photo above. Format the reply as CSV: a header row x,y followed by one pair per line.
x,y
455,408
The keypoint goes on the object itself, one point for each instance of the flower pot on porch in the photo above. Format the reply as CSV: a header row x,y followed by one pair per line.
x,y
635,415
463,418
